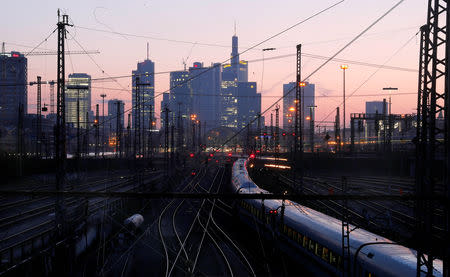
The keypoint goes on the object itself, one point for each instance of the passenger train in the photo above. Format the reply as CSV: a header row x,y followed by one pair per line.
x,y
302,231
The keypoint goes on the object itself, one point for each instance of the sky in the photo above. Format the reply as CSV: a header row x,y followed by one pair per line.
x,y
201,31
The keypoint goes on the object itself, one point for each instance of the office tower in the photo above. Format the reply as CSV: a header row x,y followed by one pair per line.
x,y
248,104
13,87
112,112
204,87
78,89
165,104
145,71
180,99
232,74
307,100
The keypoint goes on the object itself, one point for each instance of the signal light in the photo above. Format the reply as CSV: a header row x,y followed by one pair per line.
x,y
265,134
274,212
284,134
211,155
257,151
252,156
229,154
293,134
193,173
191,155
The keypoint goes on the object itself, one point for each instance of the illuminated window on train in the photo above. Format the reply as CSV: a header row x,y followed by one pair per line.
x,y
318,250
325,254
311,245
299,238
333,259
305,241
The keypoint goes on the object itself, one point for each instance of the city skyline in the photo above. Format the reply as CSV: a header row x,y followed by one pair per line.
x,y
386,37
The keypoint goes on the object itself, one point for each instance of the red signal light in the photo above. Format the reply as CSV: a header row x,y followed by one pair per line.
x,y
252,156
257,151
15,55
265,134
284,134
191,155
229,154
193,173
211,155
293,134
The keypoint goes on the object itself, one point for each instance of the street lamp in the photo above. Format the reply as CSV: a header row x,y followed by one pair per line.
x,y
343,67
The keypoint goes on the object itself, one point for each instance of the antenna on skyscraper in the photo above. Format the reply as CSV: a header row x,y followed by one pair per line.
x,y
147,50
235,28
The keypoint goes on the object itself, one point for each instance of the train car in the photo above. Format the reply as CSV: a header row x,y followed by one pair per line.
x,y
303,231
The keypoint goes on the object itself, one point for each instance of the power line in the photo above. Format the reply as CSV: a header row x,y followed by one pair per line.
x,y
317,69
371,75
41,42
220,64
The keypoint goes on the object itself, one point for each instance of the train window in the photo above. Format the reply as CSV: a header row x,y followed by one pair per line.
x,y
305,241
333,259
299,238
325,254
318,251
311,245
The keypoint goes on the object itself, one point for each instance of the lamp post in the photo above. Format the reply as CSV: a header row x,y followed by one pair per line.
x,y
103,123
343,67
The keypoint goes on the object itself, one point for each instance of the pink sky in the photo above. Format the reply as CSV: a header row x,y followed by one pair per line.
x,y
212,22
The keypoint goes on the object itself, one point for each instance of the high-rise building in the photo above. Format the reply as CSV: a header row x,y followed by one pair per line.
x,y
248,104
146,73
204,86
307,100
13,87
232,74
113,104
78,89
180,99
377,107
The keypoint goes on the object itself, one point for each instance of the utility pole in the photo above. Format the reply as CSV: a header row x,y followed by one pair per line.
x,y
38,115
180,129
118,131
60,145
103,124
97,132
166,139
129,136
258,132
52,96
271,132
150,138
199,138
298,132
86,136
337,131
345,233
432,140
311,126
344,67
277,129
78,125
20,140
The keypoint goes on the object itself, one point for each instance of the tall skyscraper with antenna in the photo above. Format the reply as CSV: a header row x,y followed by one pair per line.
x,y
146,73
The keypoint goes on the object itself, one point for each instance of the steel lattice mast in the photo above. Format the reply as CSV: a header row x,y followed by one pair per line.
x,y
432,135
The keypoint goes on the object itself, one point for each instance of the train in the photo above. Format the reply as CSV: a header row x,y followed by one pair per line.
x,y
303,232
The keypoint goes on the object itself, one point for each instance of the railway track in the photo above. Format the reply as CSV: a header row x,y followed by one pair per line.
x,y
29,224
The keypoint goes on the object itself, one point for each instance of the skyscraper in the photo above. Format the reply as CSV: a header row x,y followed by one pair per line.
x,y
145,71
180,99
248,104
307,100
78,89
112,112
205,89
13,87
232,74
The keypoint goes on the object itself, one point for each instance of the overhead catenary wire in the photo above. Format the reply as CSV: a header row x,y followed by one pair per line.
x,y
41,42
228,59
371,75
315,71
